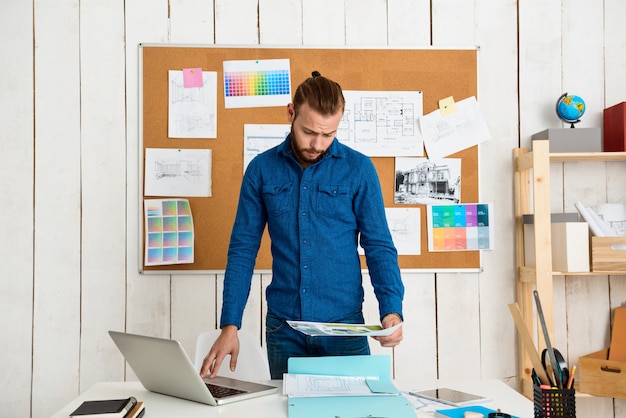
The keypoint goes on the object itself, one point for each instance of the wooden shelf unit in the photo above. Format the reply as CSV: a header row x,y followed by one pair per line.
x,y
532,195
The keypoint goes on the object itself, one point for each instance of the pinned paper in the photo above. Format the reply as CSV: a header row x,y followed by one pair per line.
x,y
178,172
192,111
169,233
192,77
447,106
454,127
257,83
461,227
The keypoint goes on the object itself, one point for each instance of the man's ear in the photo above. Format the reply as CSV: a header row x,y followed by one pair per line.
x,y
291,112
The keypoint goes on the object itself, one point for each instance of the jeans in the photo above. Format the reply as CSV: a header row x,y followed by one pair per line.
x,y
284,342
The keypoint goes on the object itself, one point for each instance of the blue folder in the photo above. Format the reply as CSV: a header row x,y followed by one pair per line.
x,y
393,405
460,412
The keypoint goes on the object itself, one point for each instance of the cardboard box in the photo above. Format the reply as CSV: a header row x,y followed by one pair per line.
x,y
570,243
572,139
608,253
615,128
600,376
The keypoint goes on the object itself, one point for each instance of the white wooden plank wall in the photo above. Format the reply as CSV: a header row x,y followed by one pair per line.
x,y
458,304
497,82
16,213
103,188
57,211
148,298
69,155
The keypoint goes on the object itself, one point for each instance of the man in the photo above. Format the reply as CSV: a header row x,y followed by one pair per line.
x,y
317,197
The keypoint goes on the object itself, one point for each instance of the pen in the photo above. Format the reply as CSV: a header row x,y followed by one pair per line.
x,y
570,381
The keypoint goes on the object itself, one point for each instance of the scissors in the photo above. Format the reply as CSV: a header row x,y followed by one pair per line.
x,y
562,372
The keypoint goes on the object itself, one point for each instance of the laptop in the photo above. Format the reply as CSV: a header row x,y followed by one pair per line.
x,y
162,366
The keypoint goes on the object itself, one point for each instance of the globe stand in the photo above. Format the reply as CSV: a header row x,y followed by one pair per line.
x,y
571,122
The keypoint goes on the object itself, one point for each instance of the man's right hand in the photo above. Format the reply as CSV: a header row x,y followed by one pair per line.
x,y
227,343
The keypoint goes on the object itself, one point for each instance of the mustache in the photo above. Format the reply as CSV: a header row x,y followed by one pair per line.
x,y
294,145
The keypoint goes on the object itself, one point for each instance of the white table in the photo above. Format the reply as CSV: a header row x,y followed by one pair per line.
x,y
275,405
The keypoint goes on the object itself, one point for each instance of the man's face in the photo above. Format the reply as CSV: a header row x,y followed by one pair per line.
x,y
311,133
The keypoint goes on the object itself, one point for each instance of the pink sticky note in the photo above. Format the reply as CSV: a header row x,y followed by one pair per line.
x,y
192,77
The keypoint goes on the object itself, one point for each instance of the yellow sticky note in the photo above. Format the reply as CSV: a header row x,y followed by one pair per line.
x,y
447,106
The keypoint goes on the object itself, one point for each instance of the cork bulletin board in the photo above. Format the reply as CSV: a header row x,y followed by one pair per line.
x,y
438,73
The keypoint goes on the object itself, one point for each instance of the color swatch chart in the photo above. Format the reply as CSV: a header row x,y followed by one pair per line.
x,y
464,227
169,232
257,83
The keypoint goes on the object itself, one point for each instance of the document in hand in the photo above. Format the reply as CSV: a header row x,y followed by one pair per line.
x,y
341,330
311,385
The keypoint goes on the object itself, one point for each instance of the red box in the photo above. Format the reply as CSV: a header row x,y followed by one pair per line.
x,y
615,128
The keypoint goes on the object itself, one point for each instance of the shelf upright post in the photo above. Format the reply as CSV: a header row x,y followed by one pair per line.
x,y
532,195
543,235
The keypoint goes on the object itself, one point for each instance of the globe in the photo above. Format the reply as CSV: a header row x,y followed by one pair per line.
x,y
570,108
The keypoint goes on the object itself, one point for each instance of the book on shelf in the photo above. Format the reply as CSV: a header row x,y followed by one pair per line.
x,y
106,408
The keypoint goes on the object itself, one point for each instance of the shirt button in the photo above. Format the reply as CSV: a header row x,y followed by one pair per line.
x,y
304,187
303,213
304,241
305,266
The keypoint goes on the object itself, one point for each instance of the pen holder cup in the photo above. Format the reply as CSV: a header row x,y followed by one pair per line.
x,y
554,403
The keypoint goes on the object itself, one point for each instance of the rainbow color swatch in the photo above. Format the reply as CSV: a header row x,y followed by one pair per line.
x,y
460,227
257,83
169,232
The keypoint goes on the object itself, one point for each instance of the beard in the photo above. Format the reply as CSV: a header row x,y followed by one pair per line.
x,y
301,153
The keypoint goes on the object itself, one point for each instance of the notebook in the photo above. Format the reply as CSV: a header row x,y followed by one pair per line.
x,y
162,366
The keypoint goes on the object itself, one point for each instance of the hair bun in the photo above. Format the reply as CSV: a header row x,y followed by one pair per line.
x,y
316,74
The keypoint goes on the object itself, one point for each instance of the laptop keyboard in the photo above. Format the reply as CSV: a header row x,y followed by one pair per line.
x,y
221,391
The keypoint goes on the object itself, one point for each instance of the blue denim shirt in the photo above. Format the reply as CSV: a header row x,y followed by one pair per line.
x,y
314,218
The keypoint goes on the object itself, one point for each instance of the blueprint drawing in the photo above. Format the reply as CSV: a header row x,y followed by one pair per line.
x,y
382,123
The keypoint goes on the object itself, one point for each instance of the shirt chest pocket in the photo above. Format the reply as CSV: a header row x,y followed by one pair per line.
x,y
334,200
276,198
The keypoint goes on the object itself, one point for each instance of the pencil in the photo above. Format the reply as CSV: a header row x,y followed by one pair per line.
x,y
570,381
550,374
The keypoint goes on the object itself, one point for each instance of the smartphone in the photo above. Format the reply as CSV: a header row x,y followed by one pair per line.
x,y
450,396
